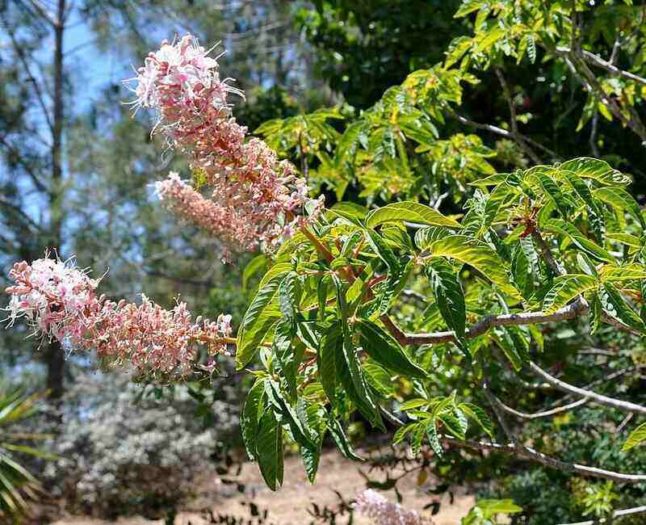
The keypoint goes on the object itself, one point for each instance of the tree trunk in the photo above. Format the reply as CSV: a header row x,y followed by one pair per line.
x,y
54,355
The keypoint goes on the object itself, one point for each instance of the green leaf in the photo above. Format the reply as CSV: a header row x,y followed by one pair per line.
x,y
478,415
351,209
595,169
433,439
578,239
311,456
256,265
629,272
636,437
354,383
341,440
326,359
283,349
289,295
380,247
251,412
448,294
348,366
565,289
453,425
300,431
506,343
615,306
477,254
269,450
596,311
315,415
260,317
485,511
469,6
381,347
618,198
411,212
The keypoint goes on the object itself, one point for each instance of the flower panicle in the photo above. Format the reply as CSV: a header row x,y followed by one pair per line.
x,y
59,301
373,505
252,198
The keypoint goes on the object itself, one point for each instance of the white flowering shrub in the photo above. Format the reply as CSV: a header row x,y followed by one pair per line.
x,y
121,452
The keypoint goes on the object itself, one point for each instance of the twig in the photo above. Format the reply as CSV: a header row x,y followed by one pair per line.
x,y
544,413
588,394
513,118
615,514
592,85
552,263
570,311
497,408
594,126
30,77
502,133
528,453
624,422
596,60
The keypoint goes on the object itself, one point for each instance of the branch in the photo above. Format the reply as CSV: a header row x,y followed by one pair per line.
x,y
551,262
496,406
592,85
42,11
544,413
29,169
528,453
587,394
25,64
513,118
596,60
570,311
615,514
502,132
486,127
16,209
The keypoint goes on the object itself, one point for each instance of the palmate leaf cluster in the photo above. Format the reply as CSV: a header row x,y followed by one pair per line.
x,y
540,242
18,486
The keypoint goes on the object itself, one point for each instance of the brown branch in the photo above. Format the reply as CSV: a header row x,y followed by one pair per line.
x,y
496,406
552,263
21,213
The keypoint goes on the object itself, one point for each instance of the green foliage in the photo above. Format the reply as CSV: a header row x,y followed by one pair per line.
x,y
322,311
486,511
18,486
361,49
636,437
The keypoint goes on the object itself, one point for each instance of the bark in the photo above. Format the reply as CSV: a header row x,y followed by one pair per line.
x,y
54,355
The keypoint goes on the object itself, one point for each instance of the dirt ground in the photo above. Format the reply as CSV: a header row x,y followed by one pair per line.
x,y
289,506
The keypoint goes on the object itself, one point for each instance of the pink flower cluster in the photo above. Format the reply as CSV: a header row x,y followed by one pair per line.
x,y
60,301
252,198
373,505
